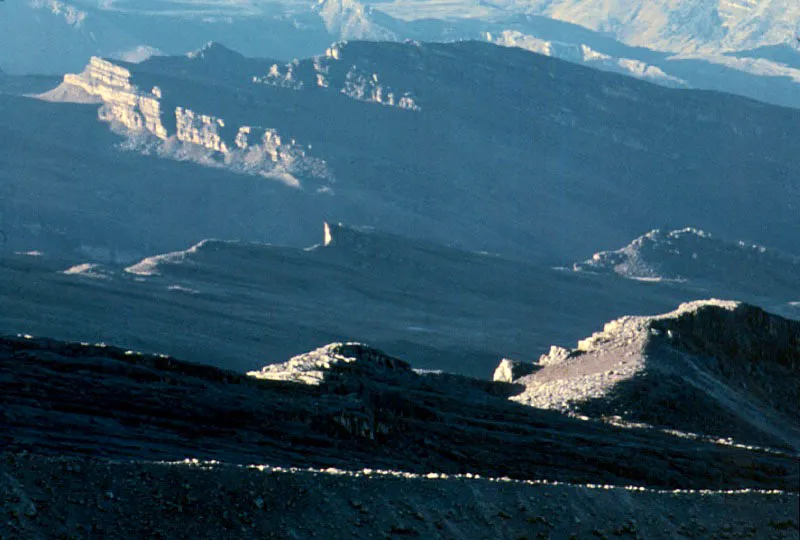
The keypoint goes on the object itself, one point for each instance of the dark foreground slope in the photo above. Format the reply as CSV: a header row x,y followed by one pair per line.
x,y
368,410
345,442
80,497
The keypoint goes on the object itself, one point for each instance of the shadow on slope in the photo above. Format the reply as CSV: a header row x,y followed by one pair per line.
x,y
368,410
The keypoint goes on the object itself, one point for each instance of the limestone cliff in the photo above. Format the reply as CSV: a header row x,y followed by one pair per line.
x,y
180,132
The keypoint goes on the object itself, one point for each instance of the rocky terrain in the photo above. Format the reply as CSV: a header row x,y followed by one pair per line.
x,y
93,427
183,355
504,146
78,497
702,262
721,369
236,305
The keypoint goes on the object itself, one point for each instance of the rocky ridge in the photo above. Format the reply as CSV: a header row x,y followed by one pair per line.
x,y
700,260
334,360
98,438
93,400
714,368
180,132
332,72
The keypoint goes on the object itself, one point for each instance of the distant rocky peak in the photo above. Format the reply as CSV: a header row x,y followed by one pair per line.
x,y
686,254
336,359
349,19
214,51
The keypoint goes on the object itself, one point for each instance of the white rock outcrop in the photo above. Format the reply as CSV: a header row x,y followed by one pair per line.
x,y
314,367
330,72
138,114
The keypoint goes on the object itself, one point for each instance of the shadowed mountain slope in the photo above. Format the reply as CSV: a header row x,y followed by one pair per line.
x,y
240,305
502,151
369,410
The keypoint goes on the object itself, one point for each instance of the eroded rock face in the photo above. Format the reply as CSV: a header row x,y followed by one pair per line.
x,y
336,71
123,102
716,368
181,132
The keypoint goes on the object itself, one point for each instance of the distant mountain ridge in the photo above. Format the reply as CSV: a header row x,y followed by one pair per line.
x,y
411,297
748,49
509,150
701,259
680,27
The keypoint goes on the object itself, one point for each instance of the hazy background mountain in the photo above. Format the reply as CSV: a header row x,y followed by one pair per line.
x,y
747,48
709,265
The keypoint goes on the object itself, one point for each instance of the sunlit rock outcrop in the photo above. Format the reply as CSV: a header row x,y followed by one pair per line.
x,y
353,360
334,72
201,136
709,368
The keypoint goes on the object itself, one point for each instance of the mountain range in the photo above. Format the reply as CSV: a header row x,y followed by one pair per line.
x,y
445,269
373,129
747,48
240,305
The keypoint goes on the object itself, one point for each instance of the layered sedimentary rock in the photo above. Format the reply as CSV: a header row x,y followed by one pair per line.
x,y
122,101
180,131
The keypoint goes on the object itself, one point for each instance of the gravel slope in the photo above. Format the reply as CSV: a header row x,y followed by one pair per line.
x,y
84,498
